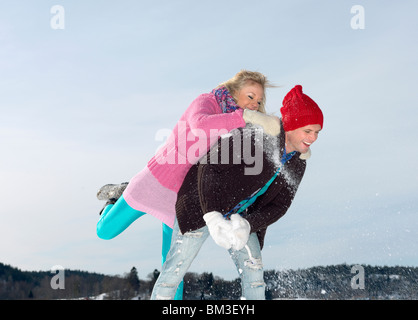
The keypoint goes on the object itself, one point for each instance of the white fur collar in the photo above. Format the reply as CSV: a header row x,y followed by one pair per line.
x,y
305,156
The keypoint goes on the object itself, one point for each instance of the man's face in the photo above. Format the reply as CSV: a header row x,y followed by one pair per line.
x,y
301,139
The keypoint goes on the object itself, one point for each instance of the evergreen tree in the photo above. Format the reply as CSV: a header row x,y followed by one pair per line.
x,y
205,282
133,279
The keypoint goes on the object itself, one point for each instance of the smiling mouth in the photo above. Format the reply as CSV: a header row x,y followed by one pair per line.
x,y
307,143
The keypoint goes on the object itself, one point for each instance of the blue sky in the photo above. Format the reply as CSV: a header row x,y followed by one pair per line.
x,y
81,107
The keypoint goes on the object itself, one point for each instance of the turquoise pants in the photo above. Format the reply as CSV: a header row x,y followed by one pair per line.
x,y
117,217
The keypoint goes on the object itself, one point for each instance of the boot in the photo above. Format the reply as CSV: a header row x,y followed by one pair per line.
x,y
110,201
110,191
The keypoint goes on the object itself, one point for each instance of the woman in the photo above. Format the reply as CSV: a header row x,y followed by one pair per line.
x,y
154,190
208,199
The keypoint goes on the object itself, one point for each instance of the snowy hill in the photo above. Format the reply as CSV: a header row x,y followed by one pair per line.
x,y
329,282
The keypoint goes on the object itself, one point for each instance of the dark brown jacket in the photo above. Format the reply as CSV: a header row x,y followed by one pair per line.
x,y
220,184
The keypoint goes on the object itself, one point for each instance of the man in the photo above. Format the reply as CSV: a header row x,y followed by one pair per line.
x,y
219,197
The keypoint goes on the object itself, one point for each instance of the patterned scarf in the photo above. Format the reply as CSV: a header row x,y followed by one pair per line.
x,y
225,100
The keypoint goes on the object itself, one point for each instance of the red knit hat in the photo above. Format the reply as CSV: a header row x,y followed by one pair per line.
x,y
299,110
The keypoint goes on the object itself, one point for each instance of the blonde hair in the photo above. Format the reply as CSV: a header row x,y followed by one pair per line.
x,y
242,78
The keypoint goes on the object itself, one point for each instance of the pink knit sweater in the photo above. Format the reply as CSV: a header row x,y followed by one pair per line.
x,y
154,189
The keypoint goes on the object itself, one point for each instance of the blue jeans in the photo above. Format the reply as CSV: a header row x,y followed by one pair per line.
x,y
185,247
117,217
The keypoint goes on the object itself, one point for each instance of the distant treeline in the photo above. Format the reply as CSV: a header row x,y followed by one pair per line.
x,y
323,282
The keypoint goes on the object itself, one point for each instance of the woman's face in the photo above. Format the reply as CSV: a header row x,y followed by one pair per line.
x,y
301,139
250,96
